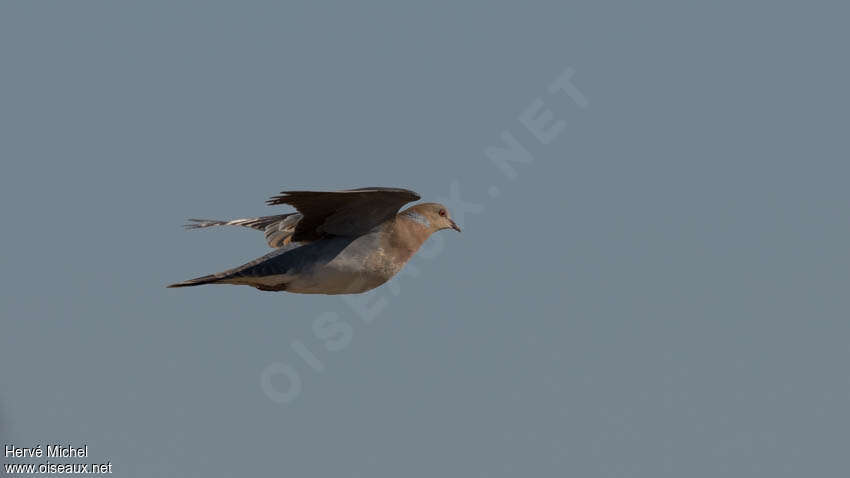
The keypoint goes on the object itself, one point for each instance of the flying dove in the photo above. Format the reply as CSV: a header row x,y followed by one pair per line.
x,y
339,242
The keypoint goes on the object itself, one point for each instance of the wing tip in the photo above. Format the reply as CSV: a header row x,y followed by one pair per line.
x,y
201,223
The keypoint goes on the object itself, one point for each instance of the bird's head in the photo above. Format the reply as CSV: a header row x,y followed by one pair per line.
x,y
432,215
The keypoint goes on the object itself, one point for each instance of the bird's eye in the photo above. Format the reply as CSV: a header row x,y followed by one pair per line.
x,y
442,212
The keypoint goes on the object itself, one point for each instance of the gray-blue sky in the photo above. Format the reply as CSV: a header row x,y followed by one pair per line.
x,y
661,292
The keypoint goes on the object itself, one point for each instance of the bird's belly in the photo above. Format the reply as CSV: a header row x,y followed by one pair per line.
x,y
351,275
335,284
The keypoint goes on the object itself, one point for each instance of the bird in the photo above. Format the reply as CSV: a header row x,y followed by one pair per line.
x,y
337,242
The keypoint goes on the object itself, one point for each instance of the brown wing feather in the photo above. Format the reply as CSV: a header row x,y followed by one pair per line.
x,y
278,229
279,234
343,213
259,223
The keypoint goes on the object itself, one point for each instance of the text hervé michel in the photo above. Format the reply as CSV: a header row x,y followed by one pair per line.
x,y
50,451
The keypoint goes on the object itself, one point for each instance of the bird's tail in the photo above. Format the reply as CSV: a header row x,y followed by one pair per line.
x,y
208,279
259,267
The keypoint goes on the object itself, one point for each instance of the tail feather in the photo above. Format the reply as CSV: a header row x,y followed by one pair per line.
x,y
208,279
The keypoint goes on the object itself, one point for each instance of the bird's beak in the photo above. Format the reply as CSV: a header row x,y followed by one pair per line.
x,y
454,225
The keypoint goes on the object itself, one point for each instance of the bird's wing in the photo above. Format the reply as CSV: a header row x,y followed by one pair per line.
x,y
279,233
342,213
278,228
258,223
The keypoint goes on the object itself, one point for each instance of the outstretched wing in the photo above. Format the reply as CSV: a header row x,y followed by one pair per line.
x,y
278,228
342,213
